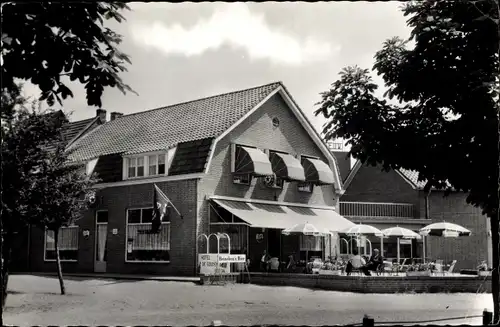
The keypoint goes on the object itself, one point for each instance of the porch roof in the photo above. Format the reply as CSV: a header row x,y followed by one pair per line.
x,y
264,215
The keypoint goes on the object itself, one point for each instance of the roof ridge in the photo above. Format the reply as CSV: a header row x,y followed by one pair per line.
x,y
204,98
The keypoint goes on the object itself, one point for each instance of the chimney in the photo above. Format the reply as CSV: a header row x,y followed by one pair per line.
x,y
115,115
101,113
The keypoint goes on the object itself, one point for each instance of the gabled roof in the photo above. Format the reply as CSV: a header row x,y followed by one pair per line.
x,y
164,127
71,131
410,176
74,129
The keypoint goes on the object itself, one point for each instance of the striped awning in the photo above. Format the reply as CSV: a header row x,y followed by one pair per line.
x,y
287,167
252,161
317,172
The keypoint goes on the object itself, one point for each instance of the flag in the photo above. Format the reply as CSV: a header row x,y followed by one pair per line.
x,y
161,206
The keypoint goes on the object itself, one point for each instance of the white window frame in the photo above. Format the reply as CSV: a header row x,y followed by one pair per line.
x,y
163,223
45,244
168,155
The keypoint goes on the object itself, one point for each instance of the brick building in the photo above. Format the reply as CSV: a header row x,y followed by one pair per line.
x,y
247,163
396,198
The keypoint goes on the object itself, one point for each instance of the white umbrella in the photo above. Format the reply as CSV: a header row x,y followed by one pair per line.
x,y
400,232
444,229
304,228
362,229
365,230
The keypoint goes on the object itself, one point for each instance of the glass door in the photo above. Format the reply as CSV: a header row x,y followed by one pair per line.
x,y
101,239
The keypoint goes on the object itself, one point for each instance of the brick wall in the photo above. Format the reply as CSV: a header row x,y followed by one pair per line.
x,y
390,284
371,184
258,131
468,251
117,200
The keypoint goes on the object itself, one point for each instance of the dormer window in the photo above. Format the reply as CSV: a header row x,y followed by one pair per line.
x,y
147,165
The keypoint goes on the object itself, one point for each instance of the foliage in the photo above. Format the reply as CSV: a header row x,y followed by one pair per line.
x,y
39,185
453,69
43,41
445,124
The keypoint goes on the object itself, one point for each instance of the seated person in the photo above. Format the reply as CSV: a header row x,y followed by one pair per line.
x,y
356,262
375,261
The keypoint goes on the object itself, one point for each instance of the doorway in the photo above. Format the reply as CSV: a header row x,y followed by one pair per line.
x,y
101,241
274,243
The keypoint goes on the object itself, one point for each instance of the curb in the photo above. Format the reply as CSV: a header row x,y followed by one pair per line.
x,y
118,277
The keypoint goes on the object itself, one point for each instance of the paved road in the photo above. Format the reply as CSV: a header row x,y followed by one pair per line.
x,y
109,302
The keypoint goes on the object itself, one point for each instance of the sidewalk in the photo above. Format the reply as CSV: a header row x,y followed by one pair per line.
x,y
119,276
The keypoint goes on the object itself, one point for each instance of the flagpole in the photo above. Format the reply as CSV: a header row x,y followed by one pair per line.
x,y
166,197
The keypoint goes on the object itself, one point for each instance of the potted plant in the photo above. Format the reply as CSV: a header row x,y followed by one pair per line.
x,y
482,269
418,270
330,268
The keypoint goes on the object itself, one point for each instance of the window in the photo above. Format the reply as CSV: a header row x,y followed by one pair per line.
x,y
244,179
67,241
279,182
140,167
305,187
144,247
132,163
153,165
148,165
311,247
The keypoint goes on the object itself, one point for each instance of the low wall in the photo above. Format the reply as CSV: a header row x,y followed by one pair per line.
x,y
375,284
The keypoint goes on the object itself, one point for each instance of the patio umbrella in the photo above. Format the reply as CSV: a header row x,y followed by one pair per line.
x,y
444,229
363,230
400,232
304,228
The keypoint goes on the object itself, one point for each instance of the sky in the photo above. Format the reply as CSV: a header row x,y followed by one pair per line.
x,y
185,51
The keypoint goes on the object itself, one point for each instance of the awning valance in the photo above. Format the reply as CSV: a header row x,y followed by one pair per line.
x,y
282,216
251,161
287,167
317,172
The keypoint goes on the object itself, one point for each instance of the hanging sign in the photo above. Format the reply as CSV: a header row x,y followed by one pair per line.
x,y
259,237
404,241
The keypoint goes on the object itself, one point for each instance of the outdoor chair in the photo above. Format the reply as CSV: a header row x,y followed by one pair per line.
x,y
274,264
450,269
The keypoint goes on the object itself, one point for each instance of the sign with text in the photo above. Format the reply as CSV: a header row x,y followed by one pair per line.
x,y
232,258
209,265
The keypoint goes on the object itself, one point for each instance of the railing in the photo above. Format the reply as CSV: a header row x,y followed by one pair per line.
x,y
377,210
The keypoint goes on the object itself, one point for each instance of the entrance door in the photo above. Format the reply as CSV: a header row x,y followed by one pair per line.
x,y
101,238
274,243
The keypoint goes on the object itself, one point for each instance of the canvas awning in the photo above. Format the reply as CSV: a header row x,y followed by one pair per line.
x,y
287,167
317,172
281,216
252,161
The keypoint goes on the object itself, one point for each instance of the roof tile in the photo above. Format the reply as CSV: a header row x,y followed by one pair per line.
x,y
164,127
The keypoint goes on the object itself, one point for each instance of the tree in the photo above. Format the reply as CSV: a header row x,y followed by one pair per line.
x,y
446,123
40,186
44,41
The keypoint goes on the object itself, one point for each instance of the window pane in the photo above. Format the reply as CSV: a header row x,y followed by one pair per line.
x,y
131,167
102,216
67,241
134,216
161,164
161,159
152,165
140,166
148,247
147,215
